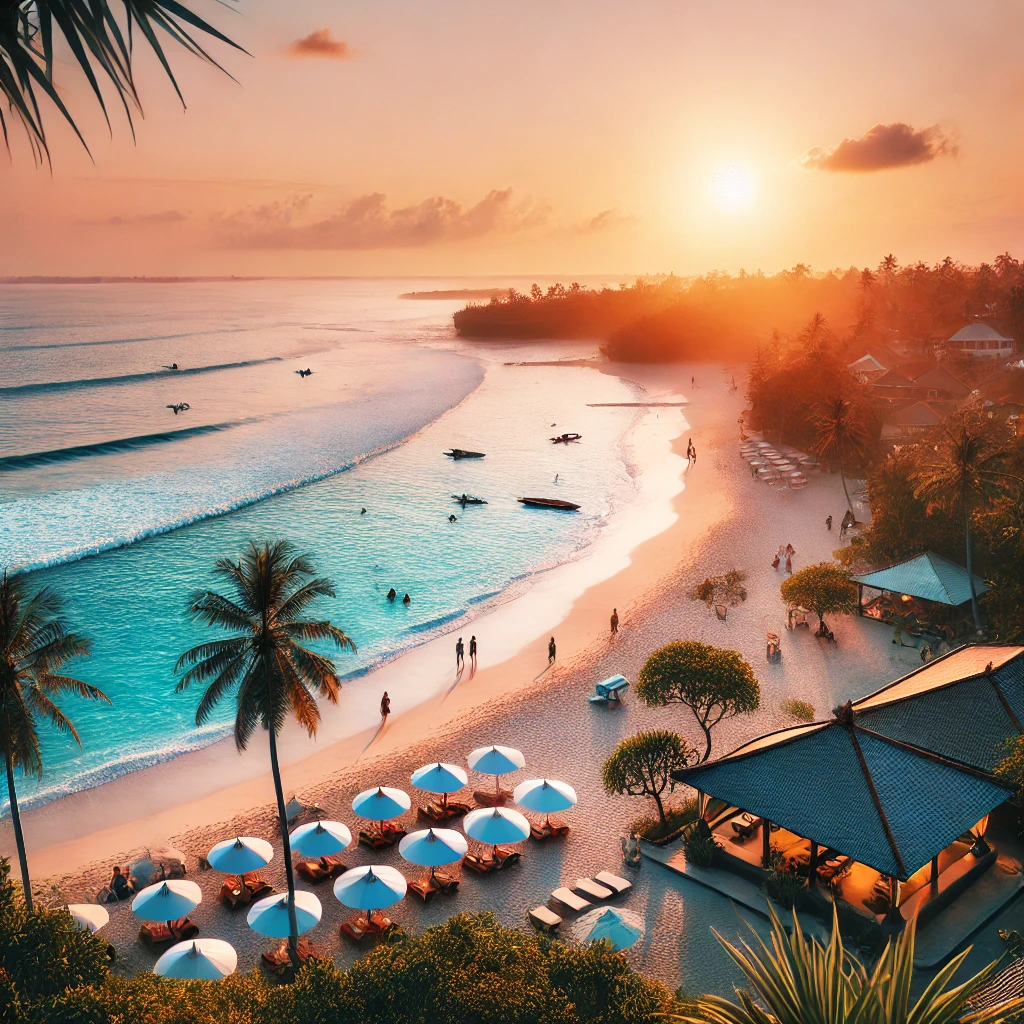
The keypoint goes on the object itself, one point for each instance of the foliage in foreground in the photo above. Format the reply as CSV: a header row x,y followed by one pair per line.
x,y
798,980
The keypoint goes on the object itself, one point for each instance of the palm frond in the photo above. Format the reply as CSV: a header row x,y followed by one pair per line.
x,y
320,631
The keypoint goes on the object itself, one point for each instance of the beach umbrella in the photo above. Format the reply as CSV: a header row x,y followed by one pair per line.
x,y
370,888
381,804
90,916
167,901
269,916
198,960
433,847
619,927
440,778
240,856
545,796
496,826
496,761
320,838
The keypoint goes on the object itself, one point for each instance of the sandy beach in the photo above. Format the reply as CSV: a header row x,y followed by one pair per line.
x,y
721,520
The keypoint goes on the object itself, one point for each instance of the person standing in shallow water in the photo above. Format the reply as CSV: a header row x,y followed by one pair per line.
x,y
460,660
551,650
615,621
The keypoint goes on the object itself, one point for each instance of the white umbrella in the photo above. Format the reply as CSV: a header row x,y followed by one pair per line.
x,y
433,847
381,804
370,888
440,778
496,826
90,916
167,901
198,960
269,916
496,761
320,838
545,796
240,856
619,927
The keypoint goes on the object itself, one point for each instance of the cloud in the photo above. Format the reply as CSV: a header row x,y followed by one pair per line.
x,y
367,222
120,220
319,43
881,147
606,220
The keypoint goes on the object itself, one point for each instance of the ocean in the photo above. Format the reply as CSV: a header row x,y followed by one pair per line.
x,y
123,505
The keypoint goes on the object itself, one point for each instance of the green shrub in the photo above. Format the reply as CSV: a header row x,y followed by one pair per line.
x,y
799,709
783,886
676,817
700,846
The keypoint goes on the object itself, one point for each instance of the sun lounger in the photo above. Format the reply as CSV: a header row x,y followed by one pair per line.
x,y
380,839
594,890
747,826
548,830
610,690
489,798
234,892
359,929
278,961
613,882
311,871
435,811
158,933
481,865
570,899
426,890
506,858
543,920
257,885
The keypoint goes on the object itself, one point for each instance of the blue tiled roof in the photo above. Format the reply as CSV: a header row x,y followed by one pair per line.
x,y
928,576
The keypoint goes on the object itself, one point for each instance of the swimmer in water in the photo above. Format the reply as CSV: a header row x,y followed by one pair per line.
x,y
407,599
392,594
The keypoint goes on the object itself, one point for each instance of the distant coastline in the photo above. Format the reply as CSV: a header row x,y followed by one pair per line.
x,y
455,293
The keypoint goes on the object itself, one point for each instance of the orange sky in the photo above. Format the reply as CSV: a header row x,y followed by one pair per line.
x,y
579,136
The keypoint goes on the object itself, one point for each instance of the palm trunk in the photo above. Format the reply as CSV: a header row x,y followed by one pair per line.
x,y
975,611
842,473
19,836
282,815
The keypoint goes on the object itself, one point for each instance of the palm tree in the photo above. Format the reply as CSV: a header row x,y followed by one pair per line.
x,y
275,676
841,421
99,45
966,467
798,980
34,644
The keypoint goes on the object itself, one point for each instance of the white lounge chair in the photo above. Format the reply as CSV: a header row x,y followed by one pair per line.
x,y
596,891
570,899
543,919
613,882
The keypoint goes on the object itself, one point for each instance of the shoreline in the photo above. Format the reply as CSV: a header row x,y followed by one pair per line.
x,y
144,808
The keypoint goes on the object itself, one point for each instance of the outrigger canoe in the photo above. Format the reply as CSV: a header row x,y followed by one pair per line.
x,y
461,453
555,503
566,438
468,499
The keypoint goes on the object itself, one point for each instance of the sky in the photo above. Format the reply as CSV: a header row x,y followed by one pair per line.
x,y
548,137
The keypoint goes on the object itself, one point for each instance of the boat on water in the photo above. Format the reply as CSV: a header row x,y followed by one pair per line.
x,y
468,499
555,503
461,453
566,438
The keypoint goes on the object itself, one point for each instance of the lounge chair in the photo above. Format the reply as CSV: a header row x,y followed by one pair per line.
x,y
481,865
426,890
311,871
359,929
610,691
435,811
506,858
613,882
543,919
257,885
570,899
548,830
382,838
234,892
594,890
490,798
279,962
722,611
747,826
159,933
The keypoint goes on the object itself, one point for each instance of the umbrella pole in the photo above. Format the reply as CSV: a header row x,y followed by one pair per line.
x,y
444,801
497,785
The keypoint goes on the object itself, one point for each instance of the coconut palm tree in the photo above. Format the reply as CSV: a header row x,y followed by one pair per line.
x,y
97,42
841,422
275,677
35,644
966,467
798,980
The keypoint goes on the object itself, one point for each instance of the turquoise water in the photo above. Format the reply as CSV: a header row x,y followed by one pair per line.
x,y
123,506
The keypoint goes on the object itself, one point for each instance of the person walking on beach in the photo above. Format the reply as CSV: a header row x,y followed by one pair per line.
x,y
828,523
460,660
789,564
472,652
615,621
385,707
551,650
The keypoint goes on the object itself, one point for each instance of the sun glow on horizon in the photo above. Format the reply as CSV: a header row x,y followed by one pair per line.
x,y
732,188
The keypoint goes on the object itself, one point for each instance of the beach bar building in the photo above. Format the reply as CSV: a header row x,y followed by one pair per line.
x,y
885,808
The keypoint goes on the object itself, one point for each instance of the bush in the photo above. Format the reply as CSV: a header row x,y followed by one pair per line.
x,y
783,886
700,846
677,816
799,709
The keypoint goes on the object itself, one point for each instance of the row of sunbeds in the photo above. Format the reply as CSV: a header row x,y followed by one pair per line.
x,y
582,896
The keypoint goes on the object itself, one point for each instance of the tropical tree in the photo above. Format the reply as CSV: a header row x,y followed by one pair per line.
x,y
642,765
99,43
35,643
967,466
1011,767
825,588
841,423
798,979
275,677
713,683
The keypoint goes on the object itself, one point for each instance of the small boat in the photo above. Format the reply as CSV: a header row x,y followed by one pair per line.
x,y
566,438
468,499
461,453
556,503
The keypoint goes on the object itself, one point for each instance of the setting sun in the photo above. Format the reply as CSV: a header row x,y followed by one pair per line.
x,y
732,188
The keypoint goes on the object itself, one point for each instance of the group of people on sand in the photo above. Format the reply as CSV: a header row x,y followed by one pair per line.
x,y
119,887
460,653
784,554
392,594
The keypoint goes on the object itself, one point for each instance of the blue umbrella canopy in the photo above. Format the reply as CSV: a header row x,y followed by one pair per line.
x,y
198,960
241,855
381,803
320,838
370,888
496,825
496,760
546,796
439,778
167,901
433,847
269,916
617,927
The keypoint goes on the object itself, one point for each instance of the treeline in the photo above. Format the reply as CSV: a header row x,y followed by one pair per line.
x,y
727,317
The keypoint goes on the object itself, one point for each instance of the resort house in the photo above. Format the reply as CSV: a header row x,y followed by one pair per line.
x,y
981,341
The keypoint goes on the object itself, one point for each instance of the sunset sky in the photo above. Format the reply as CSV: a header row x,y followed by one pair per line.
x,y
384,137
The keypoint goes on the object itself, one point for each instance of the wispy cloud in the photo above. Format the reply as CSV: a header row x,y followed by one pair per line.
x,y
320,43
125,220
607,220
367,222
882,147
